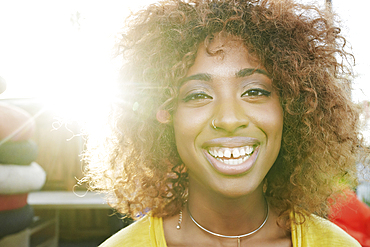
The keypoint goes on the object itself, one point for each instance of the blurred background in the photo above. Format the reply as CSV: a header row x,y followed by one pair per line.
x,y
57,70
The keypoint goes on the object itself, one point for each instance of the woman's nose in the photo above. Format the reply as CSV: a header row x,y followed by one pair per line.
x,y
230,116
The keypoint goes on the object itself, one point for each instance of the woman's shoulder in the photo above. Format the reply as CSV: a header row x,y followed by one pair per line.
x,y
136,234
317,231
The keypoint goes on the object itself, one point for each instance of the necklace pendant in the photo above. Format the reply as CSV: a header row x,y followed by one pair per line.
x,y
238,242
178,227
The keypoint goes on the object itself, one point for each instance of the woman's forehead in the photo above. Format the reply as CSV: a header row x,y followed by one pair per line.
x,y
225,41
223,54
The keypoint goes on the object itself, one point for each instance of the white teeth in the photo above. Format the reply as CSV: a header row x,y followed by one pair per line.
x,y
227,153
248,150
239,155
233,162
236,153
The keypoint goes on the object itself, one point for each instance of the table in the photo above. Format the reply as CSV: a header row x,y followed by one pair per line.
x,y
67,200
57,200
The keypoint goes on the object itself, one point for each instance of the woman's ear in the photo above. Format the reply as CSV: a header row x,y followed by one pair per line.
x,y
163,116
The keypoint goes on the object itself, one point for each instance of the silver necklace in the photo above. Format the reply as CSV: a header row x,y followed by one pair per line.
x,y
238,237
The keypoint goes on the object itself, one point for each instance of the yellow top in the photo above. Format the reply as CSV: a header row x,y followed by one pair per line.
x,y
315,232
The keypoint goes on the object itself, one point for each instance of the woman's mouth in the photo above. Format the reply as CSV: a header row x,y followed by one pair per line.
x,y
231,156
232,161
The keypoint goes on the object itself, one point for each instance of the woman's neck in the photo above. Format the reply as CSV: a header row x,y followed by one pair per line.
x,y
224,215
227,215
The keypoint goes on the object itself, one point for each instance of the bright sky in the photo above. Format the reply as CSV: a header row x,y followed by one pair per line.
x,y
60,50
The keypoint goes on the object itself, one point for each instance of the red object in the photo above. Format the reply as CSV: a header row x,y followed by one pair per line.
x,y
353,216
10,202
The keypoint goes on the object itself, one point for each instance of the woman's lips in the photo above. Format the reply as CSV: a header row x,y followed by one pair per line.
x,y
231,142
232,167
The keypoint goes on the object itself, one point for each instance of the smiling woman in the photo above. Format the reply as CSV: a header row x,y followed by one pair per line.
x,y
244,111
236,126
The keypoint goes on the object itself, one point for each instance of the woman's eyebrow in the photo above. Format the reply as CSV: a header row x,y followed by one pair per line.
x,y
199,77
251,71
240,73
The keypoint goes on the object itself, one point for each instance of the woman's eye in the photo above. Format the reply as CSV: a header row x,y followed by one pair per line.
x,y
197,96
255,92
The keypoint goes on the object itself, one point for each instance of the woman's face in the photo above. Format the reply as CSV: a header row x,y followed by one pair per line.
x,y
236,93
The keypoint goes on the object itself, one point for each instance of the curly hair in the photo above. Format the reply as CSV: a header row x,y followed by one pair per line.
x,y
302,50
